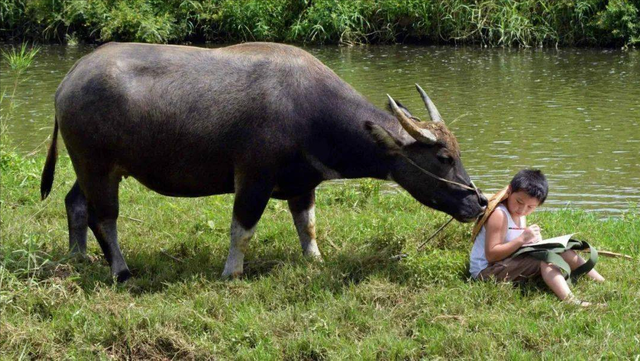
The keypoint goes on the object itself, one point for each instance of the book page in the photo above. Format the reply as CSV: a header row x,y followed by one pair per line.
x,y
561,240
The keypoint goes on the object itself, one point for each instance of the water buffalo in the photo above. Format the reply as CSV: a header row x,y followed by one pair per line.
x,y
259,120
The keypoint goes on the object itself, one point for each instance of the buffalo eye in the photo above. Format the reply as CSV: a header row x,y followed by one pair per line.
x,y
444,157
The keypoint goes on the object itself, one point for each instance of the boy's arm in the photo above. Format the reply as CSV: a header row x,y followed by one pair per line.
x,y
496,231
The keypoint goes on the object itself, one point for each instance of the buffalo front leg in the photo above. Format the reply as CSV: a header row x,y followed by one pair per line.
x,y
77,219
248,206
303,210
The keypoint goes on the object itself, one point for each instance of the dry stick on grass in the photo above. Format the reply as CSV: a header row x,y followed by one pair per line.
x,y
610,254
332,244
133,219
170,256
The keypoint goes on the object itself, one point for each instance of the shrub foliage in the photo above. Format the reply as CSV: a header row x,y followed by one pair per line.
x,y
490,22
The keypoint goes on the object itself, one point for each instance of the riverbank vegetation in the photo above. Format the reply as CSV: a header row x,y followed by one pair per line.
x,y
490,22
360,303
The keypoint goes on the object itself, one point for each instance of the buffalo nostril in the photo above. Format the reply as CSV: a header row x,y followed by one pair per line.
x,y
483,202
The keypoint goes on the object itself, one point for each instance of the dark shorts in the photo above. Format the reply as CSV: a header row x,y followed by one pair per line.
x,y
518,269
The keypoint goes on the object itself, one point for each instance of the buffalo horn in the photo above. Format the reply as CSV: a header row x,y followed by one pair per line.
x,y
433,111
419,134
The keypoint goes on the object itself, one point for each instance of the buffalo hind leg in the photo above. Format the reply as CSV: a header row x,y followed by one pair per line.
x,y
249,204
303,210
77,219
102,197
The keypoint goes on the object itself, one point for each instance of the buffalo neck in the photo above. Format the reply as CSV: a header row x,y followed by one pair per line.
x,y
346,145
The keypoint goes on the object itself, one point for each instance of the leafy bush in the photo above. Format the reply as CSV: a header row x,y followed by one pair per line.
x,y
254,20
489,22
335,21
621,21
136,20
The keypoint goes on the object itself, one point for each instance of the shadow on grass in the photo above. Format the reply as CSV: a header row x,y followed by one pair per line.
x,y
192,262
155,270
525,287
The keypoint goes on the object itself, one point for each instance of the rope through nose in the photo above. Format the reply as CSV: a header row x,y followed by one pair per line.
x,y
479,196
435,233
464,186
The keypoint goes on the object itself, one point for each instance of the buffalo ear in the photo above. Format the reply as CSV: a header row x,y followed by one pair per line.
x,y
383,138
402,108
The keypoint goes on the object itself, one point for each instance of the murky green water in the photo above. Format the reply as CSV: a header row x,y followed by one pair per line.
x,y
574,113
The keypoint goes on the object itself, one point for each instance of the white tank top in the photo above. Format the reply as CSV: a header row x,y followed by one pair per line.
x,y
478,260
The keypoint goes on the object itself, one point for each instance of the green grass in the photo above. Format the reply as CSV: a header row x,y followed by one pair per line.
x,y
523,23
357,304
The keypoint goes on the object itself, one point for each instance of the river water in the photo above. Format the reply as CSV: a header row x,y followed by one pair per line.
x,y
574,113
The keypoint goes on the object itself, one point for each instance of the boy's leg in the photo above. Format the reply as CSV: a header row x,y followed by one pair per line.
x,y
555,280
575,261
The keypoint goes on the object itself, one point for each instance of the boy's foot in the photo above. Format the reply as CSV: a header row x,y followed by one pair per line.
x,y
594,275
572,300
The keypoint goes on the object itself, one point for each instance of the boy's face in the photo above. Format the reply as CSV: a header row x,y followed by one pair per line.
x,y
521,204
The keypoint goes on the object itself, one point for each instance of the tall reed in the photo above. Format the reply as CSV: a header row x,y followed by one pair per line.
x,y
20,58
17,59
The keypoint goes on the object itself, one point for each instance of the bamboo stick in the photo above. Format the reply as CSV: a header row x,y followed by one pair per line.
x,y
610,254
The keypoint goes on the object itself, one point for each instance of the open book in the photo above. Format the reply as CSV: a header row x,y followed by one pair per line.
x,y
560,241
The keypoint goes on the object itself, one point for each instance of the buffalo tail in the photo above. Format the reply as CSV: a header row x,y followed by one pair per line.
x,y
50,165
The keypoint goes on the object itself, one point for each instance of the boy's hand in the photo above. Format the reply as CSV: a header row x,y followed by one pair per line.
x,y
531,234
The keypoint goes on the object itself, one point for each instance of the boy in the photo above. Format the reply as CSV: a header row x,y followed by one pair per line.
x,y
505,231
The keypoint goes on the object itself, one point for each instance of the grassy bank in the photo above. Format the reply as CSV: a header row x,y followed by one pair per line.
x,y
357,304
490,22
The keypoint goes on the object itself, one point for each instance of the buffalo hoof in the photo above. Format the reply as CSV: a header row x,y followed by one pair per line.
x,y
311,251
231,275
313,256
124,275
234,267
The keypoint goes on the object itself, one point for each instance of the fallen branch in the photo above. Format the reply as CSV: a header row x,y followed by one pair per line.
x,y
610,254
332,244
170,256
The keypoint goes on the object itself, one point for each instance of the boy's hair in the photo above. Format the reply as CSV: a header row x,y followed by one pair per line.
x,y
532,182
